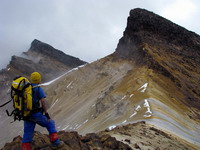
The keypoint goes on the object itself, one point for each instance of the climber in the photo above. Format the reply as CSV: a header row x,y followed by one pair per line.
x,y
37,117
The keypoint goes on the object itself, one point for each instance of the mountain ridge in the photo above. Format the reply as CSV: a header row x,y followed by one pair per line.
x,y
147,78
107,140
40,47
150,39
48,64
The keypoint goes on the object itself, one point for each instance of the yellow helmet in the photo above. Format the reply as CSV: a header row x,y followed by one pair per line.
x,y
36,77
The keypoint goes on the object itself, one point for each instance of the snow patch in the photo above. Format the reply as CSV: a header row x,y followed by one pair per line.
x,y
146,103
69,84
78,126
123,97
54,103
124,121
112,127
148,113
143,88
133,114
50,82
65,127
137,108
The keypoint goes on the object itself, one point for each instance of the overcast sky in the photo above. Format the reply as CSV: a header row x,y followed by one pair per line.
x,y
87,29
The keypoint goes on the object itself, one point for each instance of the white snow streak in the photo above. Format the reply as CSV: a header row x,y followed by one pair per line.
x,y
54,103
48,83
112,127
138,107
69,84
148,113
82,123
143,88
65,127
146,103
124,121
123,97
133,114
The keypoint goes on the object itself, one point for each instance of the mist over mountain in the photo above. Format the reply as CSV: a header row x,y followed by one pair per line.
x,y
144,95
40,57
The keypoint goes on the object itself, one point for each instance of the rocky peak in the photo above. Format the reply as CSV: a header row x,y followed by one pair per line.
x,y
144,25
165,47
143,20
42,58
48,50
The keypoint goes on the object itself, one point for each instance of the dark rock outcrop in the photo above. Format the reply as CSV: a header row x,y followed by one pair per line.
x,y
73,141
42,58
47,50
165,47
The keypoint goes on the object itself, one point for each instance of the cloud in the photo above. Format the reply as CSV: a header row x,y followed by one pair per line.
x,y
179,10
88,29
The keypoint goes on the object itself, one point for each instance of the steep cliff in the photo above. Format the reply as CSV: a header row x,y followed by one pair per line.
x,y
45,59
41,57
152,77
165,47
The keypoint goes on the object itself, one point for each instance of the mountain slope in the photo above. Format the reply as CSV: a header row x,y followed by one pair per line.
x,y
152,76
42,58
108,93
166,48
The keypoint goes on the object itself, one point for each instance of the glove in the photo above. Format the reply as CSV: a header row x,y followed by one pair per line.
x,y
47,115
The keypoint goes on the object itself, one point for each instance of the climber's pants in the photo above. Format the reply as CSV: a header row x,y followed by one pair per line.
x,y
40,119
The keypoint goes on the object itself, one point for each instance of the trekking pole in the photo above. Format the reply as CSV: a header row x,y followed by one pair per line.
x,y
6,103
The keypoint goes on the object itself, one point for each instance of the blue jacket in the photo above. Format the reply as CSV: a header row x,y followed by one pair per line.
x,y
38,94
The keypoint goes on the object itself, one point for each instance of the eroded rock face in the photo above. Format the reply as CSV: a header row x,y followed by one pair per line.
x,y
45,59
41,57
47,50
166,48
73,141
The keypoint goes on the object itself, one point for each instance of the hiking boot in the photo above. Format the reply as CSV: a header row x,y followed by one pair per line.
x,y
53,137
25,146
57,144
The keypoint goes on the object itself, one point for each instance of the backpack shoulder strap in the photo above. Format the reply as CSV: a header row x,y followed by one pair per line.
x,y
36,92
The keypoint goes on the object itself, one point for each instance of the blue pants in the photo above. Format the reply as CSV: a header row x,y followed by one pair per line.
x,y
40,119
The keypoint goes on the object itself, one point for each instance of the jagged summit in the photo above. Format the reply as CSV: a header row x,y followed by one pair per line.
x,y
165,47
42,58
143,20
46,49
144,25
45,59
150,77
